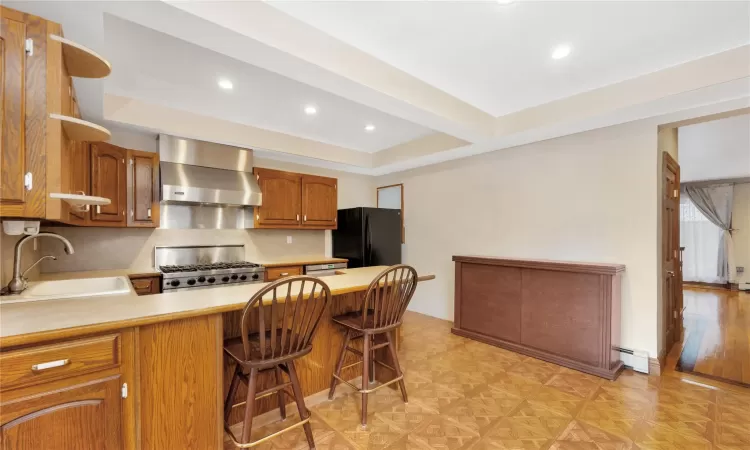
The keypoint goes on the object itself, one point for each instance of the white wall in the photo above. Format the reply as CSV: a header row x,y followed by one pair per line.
x,y
586,197
715,150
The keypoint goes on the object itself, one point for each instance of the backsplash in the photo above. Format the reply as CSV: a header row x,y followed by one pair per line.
x,y
133,248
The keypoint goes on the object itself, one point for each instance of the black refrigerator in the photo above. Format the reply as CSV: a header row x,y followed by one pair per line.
x,y
368,237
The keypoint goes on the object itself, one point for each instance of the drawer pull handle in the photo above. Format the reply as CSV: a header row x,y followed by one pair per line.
x,y
50,365
283,274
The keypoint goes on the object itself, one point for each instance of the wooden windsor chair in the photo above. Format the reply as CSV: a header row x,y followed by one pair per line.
x,y
278,325
383,308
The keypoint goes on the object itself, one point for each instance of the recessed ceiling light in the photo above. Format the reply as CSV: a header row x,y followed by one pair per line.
x,y
225,84
561,51
369,128
311,110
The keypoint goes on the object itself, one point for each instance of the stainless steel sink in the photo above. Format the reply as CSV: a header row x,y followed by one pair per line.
x,y
83,287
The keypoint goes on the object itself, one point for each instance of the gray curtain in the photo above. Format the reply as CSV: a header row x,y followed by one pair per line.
x,y
715,202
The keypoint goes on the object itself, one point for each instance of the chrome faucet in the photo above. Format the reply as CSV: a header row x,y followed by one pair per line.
x,y
19,283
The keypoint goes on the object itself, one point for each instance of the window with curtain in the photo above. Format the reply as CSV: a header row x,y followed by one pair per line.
x,y
701,240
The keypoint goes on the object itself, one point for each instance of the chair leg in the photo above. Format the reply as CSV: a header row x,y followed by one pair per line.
x,y
300,399
339,364
282,403
366,355
396,365
231,394
252,385
372,360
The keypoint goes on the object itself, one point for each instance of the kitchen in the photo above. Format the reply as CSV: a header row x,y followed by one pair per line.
x,y
230,224
114,242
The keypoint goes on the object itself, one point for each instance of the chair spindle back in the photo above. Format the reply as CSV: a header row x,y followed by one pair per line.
x,y
288,316
388,296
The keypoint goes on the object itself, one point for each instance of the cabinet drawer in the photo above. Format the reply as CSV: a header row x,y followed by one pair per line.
x,y
145,286
55,361
274,273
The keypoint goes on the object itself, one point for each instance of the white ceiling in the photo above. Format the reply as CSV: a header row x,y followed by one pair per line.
x,y
164,70
497,57
435,71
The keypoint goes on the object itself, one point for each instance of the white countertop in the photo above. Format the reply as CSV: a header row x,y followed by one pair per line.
x,y
120,311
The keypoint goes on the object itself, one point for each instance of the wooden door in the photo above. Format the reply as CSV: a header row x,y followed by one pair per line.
x,y
319,201
22,115
671,276
281,199
108,180
143,190
82,417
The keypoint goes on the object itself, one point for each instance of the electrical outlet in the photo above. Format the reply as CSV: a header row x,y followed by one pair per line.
x,y
288,239
740,269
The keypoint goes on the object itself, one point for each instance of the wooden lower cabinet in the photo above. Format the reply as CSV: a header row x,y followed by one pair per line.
x,y
81,416
74,394
275,273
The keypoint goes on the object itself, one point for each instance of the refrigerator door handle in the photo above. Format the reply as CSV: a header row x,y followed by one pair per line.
x,y
368,243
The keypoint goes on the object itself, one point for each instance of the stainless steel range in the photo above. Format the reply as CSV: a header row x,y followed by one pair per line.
x,y
195,266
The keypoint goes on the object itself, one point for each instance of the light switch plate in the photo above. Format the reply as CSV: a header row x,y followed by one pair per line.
x,y
288,239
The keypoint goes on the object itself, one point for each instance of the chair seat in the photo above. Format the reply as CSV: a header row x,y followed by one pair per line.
x,y
353,320
233,347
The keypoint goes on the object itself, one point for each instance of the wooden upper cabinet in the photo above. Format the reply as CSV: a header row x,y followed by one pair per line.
x,y
86,416
319,201
78,162
282,194
143,189
108,180
22,115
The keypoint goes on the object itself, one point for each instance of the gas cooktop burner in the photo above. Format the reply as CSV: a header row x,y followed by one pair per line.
x,y
188,267
203,267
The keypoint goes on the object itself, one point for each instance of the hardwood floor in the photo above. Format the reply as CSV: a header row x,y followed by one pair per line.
x,y
471,396
717,335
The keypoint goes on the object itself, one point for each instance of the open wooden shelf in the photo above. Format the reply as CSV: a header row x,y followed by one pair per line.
x,y
82,61
81,130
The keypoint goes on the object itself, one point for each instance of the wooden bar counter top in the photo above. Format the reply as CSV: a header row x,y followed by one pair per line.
x,y
162,352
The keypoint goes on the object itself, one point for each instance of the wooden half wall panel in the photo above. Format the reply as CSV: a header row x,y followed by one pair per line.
x,y
564,312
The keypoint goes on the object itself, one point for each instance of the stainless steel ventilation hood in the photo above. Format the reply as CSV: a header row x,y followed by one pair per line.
x,y
198,172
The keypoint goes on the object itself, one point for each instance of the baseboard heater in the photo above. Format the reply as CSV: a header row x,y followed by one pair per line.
x,y
744,286
635,359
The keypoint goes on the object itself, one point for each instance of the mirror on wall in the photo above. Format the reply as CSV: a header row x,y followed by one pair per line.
x,y
392,197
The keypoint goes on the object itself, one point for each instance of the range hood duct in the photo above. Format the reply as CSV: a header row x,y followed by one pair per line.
x,y
198,172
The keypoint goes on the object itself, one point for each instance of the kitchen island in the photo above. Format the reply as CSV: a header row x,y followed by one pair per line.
x,y
141,372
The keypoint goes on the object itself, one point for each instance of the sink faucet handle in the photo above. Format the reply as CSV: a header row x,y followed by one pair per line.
x,y
23,275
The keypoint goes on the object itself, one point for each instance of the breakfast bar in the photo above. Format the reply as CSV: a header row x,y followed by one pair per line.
x,y
146,371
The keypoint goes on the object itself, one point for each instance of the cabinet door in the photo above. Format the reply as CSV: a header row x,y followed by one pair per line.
x,y
22,116
319,201
281,199
108,180
82,417
77,161
143,202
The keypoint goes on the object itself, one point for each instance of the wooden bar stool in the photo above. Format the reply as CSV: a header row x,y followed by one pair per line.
x,y
286,315
384,304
